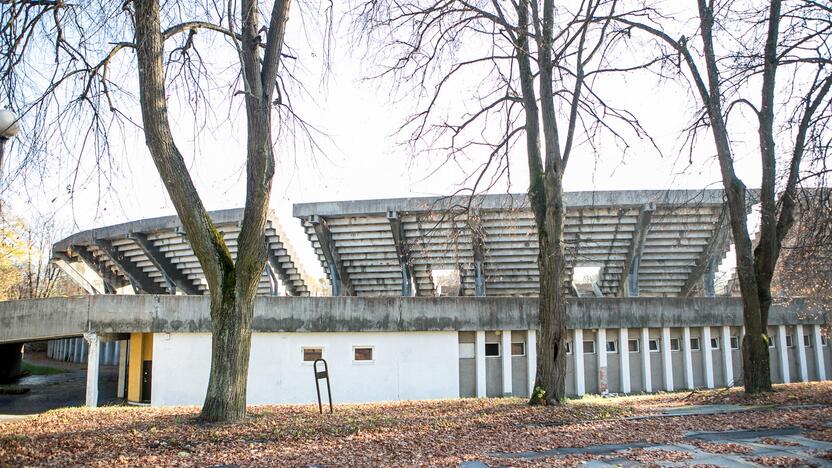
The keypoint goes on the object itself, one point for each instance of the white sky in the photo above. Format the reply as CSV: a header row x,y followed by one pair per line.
x,y
363,160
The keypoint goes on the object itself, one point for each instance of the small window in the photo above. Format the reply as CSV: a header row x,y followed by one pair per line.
x,y
589,347
363,353
822,340
770,341
518,349
694,344
612,346
675,344
492,350
654,346
632,346
807,341
312,354
467,350
568,347
789,341
735,342
715,342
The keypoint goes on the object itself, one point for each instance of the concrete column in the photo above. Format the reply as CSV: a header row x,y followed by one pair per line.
x,y
783,353
480,361
624,359
92,369
103,354
707,357
820,364
687,358
667,360
801,354
122,368
727,361
505,358
578,353
601,350
531,358
646,376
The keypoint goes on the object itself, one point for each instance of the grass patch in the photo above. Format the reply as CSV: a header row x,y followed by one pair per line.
x,y
32,369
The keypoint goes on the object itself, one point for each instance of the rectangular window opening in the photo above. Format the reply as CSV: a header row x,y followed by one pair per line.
x,y
675,344
518,349
363,353
654,345
695,344
823,340
632,346
589,347
312,354
807,341
789,341
770,340
568,347
492,350
612,346
715,343
735,342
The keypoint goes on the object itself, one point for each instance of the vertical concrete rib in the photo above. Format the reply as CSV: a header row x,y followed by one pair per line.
x,y
783,353
578,353
727,361
667,360
480,363
820,363
707,357
801,354
624,359
531,358
687,358
505,359
646,376
92,369
601,350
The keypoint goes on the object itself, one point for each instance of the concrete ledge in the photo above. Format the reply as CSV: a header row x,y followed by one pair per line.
x,y
38,319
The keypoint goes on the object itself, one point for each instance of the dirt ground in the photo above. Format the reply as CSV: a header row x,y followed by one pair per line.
x,y
434,433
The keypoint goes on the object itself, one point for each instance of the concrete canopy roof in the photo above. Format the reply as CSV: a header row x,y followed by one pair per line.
x,y
674,235
153,256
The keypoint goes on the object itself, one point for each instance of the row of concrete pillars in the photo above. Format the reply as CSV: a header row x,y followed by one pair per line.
x,y
77,350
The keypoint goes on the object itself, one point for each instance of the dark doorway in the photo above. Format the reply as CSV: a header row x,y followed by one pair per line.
x,y
147,368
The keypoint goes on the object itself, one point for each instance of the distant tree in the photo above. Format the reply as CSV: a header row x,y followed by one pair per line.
x,y
70,65
493,74
732,58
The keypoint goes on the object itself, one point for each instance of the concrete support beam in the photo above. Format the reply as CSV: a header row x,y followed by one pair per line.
x,y
111,281
505,359
820,364
707,357
92,369
480,363
175,279
142,283
687,358
531,358
478,245
727,361
624,359
646,377
274,288
801,354
783,353
601,350
578,353
710,255
709,278
667,360
66,264
338,276
403,254
628,285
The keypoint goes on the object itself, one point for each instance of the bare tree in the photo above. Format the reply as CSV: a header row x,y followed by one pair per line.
x,y
735,61
530,72
92,40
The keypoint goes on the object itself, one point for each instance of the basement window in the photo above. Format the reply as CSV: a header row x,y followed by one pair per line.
x,y
492,350
654,345
632,346
789,341
675,344
715,342
589,347
695,344
735,342
518,349
612,346
362,354
312,354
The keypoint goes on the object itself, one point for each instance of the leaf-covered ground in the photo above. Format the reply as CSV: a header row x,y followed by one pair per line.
x,y
406,433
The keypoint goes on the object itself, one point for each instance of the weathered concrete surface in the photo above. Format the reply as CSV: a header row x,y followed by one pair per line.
x,y
38,319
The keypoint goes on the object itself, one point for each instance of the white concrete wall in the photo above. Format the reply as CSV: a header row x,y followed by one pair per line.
x,y
406,366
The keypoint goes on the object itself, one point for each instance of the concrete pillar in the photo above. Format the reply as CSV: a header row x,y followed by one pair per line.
x,y
820,364
601,350
707,357
646,376
687,358
801,354
624,359
505,358
122,368
92,369
727,361
783,353
531,358
578,353
480,362
667,360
